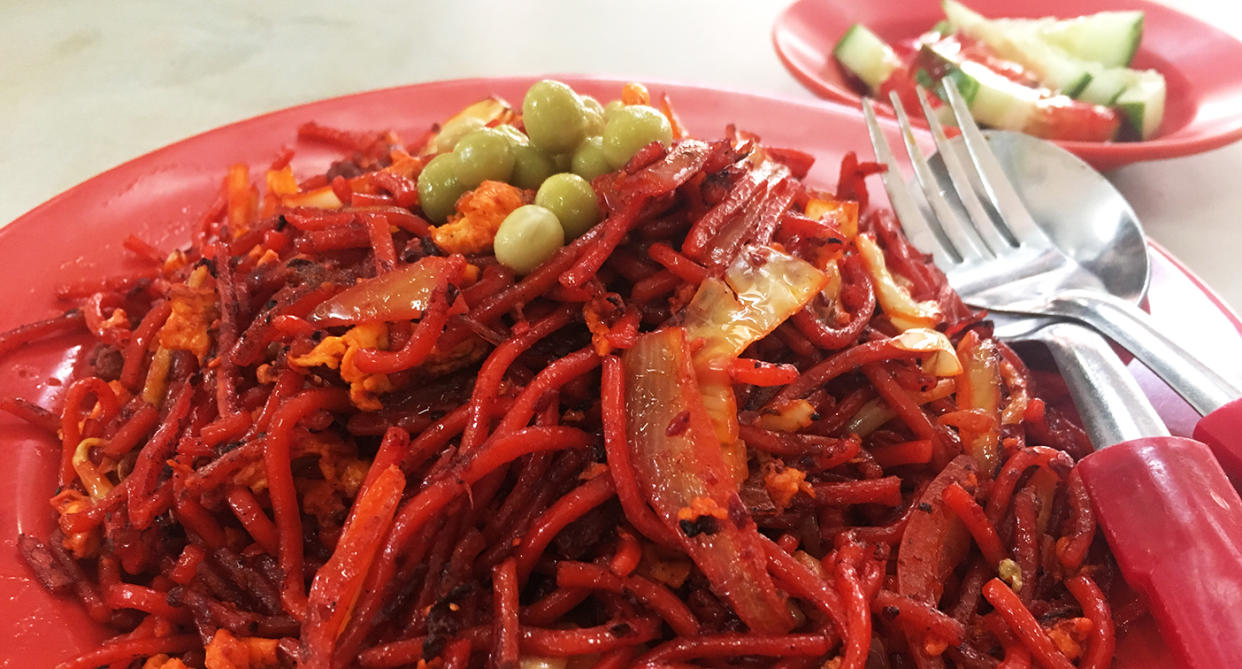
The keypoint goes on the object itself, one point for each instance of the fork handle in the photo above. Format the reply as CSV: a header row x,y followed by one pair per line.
x,y
1131,327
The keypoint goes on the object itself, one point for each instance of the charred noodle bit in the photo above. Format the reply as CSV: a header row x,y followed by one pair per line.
x,y
737,422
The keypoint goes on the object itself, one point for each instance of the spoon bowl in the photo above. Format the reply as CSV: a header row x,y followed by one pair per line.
x,y
1076,206
1079,209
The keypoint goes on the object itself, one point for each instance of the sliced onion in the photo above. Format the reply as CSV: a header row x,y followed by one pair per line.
x,y
790,417
942,360
685,469
979,388
841,213
895,299
761,289
402,294
319,198
483,113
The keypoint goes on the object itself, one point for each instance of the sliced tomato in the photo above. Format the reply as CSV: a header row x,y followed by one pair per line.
x,y
903,83
982,53
1067,119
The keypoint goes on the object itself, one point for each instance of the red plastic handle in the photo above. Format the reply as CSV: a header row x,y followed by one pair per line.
x,y
1174,523
1221,430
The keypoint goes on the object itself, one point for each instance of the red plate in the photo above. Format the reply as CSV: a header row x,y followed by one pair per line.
x,y
158,197
1199,62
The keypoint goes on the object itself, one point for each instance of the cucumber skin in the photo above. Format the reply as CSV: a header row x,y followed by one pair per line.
x,y
842,48
1142,105
1132,113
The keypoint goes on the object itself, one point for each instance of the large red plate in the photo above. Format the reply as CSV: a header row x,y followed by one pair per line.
x,y
1199,62
158,197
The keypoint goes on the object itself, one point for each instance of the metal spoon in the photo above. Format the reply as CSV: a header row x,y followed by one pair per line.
x,y
1089,220
1149,489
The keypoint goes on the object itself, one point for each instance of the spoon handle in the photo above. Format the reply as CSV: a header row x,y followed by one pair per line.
x,y
1131,327
1112,406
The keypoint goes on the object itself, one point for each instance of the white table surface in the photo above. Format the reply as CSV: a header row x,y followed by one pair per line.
x,y
86,85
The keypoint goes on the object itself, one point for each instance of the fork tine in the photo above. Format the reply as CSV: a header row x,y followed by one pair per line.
x,y
915,225
1000,192
962,183
959,232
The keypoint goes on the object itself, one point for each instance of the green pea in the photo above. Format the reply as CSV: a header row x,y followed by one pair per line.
x,y
554,116
516,137
572,199
611,108
453,131
527,237
632,128
483,155
438,187
563,161
594,116
530,167
589,159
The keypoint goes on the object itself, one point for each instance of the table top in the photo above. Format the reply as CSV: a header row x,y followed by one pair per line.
x,y
90,85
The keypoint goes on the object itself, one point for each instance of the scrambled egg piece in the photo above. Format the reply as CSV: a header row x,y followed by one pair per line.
x,y
599,330
262,256
663,566
783,483
193,311
479,214
789,417
226,651
338,463
79,544
1010,573
702,506
1070,636
339,353
343,472
162,661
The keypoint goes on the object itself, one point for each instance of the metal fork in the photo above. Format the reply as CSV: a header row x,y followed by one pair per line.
x,y
1006,262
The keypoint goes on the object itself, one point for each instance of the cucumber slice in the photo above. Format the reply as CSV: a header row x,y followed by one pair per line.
x,y
1020,43
865,55
943,112
1106,85
992,99
1142,103
1107,38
